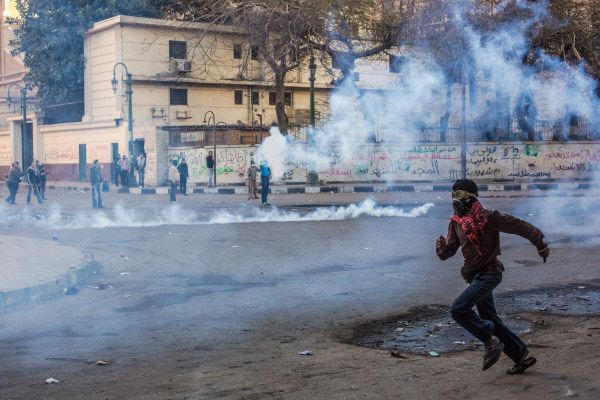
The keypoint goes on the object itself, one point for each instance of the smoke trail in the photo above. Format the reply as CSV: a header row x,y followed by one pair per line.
x,y
120,217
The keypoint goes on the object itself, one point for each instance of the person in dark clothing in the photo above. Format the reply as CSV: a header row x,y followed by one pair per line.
x,y
265,178
32,177
96,183
141,166
116,170
12,181
42,182
183,176
210,166
477,231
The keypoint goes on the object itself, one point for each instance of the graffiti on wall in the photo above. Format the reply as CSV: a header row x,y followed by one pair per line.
x,y
63,154
392,163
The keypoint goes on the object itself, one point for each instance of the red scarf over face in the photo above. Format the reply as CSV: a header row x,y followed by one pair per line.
x,y
472,223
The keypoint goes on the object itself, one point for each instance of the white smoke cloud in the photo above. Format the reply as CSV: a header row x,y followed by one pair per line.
x,y
120,217
415,99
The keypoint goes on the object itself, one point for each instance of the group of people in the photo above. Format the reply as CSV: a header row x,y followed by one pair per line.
x,y
179,174
35,177
265,179
123,165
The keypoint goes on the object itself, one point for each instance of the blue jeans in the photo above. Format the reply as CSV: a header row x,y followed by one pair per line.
x,y
141,173
97,195
173,191
264,191
487,322
34,187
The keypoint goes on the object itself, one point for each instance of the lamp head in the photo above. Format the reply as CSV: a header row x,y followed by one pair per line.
x,y
114,83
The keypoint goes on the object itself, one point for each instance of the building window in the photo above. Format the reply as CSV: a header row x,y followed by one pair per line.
x,y
178,97
288,99
255,98
177,49
272,98
395,64
239,97
254,52
237,51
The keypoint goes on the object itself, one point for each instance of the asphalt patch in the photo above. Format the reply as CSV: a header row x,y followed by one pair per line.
x,y
429,328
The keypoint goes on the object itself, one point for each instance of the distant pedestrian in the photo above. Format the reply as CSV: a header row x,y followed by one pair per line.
x,y
173,179
265,178
43,176
252,173
96,182
477,231
12,181
32,177
183,176
141,165
210,166
116,170
124,167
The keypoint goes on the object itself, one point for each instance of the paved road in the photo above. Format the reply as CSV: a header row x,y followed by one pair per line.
x,y
177,292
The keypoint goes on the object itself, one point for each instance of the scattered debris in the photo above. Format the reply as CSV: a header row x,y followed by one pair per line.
x,y
399,329
580,287
569,393
434,354
584,298
460,342
125,273
71,291
54,237
235,246
102,363
102,286
306,353
397,354
52,380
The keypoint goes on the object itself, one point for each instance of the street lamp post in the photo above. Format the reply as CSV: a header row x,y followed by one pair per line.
x,y
214,131
129,92
23,94
313,177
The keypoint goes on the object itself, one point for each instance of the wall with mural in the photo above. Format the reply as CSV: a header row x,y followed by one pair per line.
x,y
414,163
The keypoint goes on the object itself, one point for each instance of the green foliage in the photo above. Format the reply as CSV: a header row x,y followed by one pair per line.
x,y
49,36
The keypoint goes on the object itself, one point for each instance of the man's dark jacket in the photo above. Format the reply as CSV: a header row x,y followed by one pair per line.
x,y
95,177
183,171
489,243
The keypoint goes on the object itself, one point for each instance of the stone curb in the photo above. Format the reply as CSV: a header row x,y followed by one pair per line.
x,y
358,188
52,289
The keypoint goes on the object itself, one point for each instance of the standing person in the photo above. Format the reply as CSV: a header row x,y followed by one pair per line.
x,y
477,231
32,182
183,176
173,179
43,176
96,182
265,177
252,172
12,181
210,166
116,169
124,167
141,163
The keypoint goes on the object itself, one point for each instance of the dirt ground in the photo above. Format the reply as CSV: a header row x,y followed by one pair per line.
x,y
269,367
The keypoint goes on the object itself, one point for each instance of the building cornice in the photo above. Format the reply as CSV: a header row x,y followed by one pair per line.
x,y
125,20
170,81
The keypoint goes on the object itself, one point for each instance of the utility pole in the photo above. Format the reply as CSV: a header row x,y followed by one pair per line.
x,y
129,92
312,176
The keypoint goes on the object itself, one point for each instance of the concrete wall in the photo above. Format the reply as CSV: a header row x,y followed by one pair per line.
x,y
416,163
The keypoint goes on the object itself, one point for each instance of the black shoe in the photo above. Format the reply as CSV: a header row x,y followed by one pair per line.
x,y
525,363
493,351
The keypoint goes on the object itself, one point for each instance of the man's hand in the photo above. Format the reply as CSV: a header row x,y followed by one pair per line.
x,y
544,253
440,244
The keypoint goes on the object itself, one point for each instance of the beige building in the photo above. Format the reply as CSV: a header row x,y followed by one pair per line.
x,y
180,71
12,71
